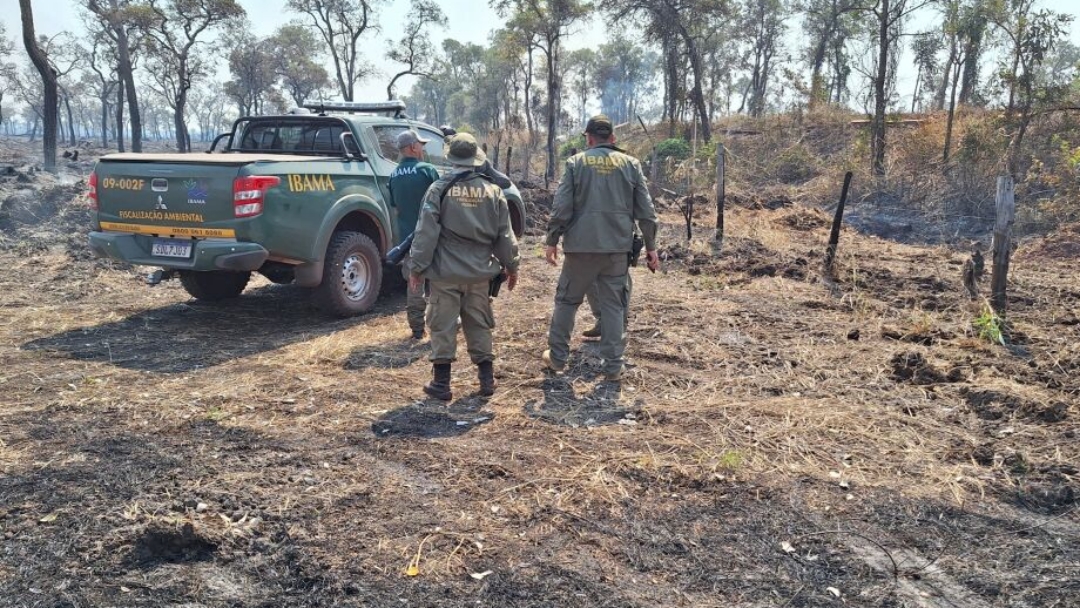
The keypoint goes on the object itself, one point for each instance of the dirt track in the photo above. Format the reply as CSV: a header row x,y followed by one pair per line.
x,y
780,440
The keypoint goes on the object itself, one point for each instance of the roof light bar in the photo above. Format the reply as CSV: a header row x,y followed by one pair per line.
x,y
396,106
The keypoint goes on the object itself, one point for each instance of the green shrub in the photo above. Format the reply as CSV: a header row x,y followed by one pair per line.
x,y
673,148
568,146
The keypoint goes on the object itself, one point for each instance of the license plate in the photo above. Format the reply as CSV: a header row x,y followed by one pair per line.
x,y
171,249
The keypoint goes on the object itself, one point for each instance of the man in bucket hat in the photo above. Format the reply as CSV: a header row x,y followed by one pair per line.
x,y
408,184
463,240
602,194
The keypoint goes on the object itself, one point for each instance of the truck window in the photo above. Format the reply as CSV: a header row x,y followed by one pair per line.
x,y
434,148
294,136
387,138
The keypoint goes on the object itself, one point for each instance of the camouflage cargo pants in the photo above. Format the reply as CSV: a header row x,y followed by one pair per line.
x,y
580,271
470,302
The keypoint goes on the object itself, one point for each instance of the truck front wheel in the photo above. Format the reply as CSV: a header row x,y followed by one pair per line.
x,y
352,274
215,285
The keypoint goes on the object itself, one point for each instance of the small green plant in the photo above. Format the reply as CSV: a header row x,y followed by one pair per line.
x,y
731,460
216,414
990,326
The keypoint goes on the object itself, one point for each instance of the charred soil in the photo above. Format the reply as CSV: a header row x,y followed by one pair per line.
x,y
782,438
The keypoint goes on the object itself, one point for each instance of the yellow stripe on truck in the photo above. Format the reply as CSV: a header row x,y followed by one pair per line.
x,y
226,233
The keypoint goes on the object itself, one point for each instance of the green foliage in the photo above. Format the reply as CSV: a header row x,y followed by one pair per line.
x,y
675,147
990,326
568,146
731,459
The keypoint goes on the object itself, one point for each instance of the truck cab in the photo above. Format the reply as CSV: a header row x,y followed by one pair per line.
x,y
301,197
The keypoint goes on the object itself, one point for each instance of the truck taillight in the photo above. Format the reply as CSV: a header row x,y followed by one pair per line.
x,y
91,190
249,193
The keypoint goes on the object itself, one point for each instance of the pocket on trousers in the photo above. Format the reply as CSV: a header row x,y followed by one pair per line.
x,y
429,312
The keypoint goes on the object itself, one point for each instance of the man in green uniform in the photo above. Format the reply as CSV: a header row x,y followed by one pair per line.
x,y
463,240
408,184
602,193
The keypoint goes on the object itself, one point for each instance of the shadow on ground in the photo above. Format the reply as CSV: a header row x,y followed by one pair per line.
x,y
195,335
388,356
433,419
562,405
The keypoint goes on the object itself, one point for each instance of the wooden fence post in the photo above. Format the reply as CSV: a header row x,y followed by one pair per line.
x,y
720,192
1006,211
838,219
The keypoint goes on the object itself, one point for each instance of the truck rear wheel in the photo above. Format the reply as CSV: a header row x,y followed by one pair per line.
x,y
351,275
214,285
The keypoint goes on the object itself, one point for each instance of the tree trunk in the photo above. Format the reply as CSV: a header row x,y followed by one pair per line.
x,y
530,123
120,116
816,82
72,139
972,50
696,95
671,83
952,114
943,89
553,105
127,75
877,126
104,121
48,78
183,138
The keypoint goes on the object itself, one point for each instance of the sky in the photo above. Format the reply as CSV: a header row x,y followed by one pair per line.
x,y
469,21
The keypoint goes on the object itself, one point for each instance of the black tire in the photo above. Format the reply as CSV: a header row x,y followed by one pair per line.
x,y
352,275
214,285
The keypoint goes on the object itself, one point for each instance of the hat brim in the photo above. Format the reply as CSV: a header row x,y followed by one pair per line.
x,y
471,161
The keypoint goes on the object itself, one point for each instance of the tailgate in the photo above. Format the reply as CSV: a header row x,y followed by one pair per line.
x,y
184,199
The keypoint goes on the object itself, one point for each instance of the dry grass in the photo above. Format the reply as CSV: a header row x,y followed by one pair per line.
x,y
766,404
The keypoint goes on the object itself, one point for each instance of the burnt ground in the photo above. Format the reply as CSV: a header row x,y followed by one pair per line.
x,y
783,438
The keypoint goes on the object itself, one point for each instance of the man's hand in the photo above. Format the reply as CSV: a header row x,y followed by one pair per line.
x,y
511,281
416,282
652,260
552,254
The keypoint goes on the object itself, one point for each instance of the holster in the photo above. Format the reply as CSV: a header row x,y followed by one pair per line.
x,y
496,284
636,246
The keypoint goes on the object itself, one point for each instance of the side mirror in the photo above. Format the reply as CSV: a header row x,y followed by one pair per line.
x,y
347,139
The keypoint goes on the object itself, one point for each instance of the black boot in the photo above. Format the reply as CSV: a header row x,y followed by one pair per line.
x,y
439,387
486,373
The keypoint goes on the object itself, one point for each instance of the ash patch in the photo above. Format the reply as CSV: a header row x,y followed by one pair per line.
x,y
159,544
913,367
741,256
994,405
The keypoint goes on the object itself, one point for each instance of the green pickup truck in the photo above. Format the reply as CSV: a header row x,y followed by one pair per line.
x,y
301,197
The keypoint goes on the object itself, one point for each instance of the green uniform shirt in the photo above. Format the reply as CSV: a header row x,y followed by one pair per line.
x,y
602,193
408,183
464,237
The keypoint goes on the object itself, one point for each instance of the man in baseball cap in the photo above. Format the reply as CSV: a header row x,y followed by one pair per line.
x,y
599,125
408,184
